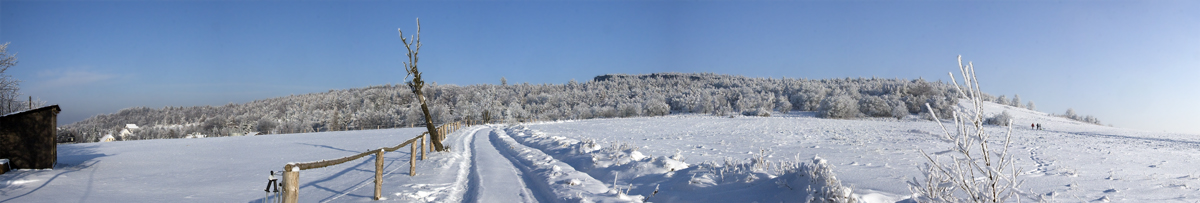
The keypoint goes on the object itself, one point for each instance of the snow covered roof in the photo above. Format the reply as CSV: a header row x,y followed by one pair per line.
x,y
131,126
32,110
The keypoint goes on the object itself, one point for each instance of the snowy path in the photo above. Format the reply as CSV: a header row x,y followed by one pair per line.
x,y
493,177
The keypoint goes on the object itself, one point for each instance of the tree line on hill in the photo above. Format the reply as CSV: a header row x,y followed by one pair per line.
x,y
606,96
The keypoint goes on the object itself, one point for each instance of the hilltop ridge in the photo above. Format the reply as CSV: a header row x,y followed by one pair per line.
x,y
606,96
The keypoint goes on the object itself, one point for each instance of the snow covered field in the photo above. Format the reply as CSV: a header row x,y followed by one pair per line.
x,y
1068,161
686,158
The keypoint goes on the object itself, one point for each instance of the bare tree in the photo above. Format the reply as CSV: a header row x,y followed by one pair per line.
x,y
8,86
410,67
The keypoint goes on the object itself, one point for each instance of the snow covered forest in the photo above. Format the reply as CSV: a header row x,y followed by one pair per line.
x,y
606,96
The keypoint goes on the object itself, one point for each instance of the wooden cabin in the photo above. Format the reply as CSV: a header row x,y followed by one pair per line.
x,y
28,138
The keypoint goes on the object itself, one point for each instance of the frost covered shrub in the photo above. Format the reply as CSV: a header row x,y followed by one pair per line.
x,y
875,107
629,109
839,106
657,108
782,104
899,110
757,112
825,187
976,168
822,185
1016,101
1002,119
1087,119
606,112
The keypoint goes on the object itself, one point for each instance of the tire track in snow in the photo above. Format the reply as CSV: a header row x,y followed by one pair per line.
x,y
494,177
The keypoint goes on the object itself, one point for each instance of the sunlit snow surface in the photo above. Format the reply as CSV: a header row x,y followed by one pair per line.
x,y
227,169
1068,161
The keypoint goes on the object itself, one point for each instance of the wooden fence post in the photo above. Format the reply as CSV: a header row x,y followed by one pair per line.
x,y
291,185
412,160
378,173
423,148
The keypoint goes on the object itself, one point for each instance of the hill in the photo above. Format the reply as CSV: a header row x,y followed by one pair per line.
x,y
606,96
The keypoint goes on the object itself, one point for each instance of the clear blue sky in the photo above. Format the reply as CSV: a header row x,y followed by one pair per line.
x,y
1134,64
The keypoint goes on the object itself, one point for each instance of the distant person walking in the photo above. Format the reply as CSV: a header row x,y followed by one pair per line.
x,y
1031,126
1039,126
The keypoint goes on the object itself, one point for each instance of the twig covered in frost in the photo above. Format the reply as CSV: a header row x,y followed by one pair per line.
x,y
981,173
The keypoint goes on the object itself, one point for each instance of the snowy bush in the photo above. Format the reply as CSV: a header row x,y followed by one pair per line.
x,y
757,112
825,187
1087,119
899,109
782,104
1071,114
657,108
875,107
839,106
1016,101
1002,119
629,109
976,168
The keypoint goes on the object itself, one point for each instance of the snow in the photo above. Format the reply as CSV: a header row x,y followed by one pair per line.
x,y
1071,160
677,158
226,169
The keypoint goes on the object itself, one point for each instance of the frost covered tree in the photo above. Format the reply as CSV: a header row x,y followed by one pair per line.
x,y
875,107
1030,106
9,86
1016,101
1071,114
782,104
657,108
839,106
1002,100
416,84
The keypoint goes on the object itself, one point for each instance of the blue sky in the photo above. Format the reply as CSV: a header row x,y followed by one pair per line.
x,y
1132,64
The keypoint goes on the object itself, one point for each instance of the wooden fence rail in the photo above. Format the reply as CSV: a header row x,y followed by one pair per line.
x,y
291,171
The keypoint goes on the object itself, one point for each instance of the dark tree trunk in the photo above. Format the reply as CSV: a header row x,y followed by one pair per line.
x,y
435,137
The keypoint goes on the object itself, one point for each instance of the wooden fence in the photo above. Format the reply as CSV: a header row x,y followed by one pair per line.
x,y
291,171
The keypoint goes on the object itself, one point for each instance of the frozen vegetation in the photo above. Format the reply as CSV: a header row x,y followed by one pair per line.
x,y
606,96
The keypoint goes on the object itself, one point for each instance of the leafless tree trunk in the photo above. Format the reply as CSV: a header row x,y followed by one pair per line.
x,y
416,84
